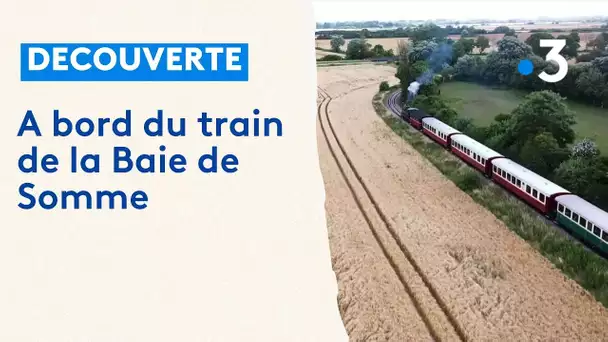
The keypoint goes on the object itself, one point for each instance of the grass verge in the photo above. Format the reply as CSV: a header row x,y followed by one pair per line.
x,y
571,257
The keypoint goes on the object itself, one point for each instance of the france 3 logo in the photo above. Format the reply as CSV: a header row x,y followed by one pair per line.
x,y
526,67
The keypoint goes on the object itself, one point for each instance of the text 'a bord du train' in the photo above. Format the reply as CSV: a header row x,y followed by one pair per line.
x,y
123,159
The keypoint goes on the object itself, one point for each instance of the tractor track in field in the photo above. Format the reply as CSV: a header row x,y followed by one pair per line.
x,y
337,151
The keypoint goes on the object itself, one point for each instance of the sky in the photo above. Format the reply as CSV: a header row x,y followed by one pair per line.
x,y
461,10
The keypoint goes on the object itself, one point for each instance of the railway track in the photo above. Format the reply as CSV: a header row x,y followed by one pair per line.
x,y
393,103
368,206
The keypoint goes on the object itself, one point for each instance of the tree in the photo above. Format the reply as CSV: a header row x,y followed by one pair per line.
x,y
432,103
336,43
590,56
568,86
501,65
601,63
540,112
587,177
599,42
358,49
384,86
585,148
503,29
331,58
468,67
378,50
428,32
572,45
534,42
462,47
533,82
482,43
422,50
542,154
592,84
404,72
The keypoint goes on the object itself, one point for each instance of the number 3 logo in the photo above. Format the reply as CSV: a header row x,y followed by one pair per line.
x,y
557,45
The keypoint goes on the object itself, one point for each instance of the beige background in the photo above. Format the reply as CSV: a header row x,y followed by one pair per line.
x,y
226,257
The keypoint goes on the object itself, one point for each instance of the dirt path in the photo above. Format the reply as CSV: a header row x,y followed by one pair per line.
x,y
494,284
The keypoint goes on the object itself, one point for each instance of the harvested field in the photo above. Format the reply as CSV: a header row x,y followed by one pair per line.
x,y
493,283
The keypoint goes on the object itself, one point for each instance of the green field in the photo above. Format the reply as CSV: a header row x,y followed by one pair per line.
x,y
482,104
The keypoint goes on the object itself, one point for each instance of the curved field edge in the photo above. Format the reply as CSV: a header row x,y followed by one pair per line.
x,y
580,264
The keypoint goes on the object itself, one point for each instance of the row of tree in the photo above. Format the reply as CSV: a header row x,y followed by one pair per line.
x,y
538,133
423,32
586,81
359,48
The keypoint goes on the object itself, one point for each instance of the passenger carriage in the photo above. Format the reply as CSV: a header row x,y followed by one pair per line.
x,y
438,131
474,153
586,221
415,116
532,188
583,219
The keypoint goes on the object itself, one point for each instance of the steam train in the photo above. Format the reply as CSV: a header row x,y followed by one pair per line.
x,y
581,218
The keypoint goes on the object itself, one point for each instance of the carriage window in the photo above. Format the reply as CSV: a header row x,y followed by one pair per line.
x,y
534,193
575,217
508,177
583,222
605,236
596,231
589,226
518,183
528,189
483,161
568,212
504,174
494,168
541,198
560,208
